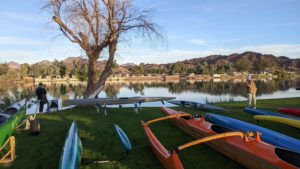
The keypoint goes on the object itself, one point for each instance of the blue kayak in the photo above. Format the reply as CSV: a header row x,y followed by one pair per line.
x,y
123,138
72,151
265,112
269,136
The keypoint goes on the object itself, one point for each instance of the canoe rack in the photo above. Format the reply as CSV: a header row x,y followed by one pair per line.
x,y
244,135
9,155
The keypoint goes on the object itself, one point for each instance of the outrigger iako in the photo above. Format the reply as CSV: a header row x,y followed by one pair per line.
x,y
245,148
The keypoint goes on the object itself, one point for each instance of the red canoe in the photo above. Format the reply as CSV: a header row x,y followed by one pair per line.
x,y
167,159
291,111
248,151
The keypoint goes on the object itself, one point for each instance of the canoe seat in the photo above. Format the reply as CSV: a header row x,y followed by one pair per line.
x,y
11,111
186,117
288,156
220,129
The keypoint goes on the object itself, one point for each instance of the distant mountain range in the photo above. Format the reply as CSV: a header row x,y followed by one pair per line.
x,y
252,59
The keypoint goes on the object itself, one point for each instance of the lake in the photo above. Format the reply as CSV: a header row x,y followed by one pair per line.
x,y
202,91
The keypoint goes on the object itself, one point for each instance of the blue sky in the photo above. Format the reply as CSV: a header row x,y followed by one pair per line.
x,y
194,28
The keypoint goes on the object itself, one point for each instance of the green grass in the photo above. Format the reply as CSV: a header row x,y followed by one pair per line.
x,y
43,151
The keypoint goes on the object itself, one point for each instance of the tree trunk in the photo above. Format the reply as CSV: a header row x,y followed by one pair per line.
x,y
92,77
109,64
107,71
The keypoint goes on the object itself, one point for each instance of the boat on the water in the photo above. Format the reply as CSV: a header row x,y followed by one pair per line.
x,y
267,113
245,148
197,105
114,101
291,111
297,88
283,120
72,150
268,136
10,118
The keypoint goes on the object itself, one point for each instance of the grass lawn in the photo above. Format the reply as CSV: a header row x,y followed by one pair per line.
x,y
43,151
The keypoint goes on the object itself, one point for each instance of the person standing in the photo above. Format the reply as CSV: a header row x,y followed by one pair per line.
x,y
251,91
41,94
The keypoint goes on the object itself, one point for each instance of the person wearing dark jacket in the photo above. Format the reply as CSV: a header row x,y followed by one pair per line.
x,y
41,95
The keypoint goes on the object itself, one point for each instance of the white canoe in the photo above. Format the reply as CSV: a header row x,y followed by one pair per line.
x,y
113,101
196,105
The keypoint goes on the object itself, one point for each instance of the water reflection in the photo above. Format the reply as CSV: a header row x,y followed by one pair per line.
x,y
211,91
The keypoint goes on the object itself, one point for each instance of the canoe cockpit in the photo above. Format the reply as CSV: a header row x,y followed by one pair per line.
x,y
2,119
10,111
7,114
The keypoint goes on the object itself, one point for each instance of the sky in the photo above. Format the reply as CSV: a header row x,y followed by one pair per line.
x,y
192,28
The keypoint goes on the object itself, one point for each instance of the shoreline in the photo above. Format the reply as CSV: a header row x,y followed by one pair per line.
x,y
160,78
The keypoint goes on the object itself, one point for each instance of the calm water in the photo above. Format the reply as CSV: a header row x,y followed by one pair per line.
x,y
209,91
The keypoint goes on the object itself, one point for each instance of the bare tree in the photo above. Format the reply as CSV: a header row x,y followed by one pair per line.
x,y
97,24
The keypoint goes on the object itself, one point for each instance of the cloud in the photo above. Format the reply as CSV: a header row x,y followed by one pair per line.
x,y
169,56
20,56
282,24
146,55
33,54
290,50
209,42
20,41
197,41
21,17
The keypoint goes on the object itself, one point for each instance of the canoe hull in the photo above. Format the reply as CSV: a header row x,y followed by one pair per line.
x,y
116,101
291,111
167,159
197,105
251,154
123,138
287,121
72,151
8,127
267,113
268,136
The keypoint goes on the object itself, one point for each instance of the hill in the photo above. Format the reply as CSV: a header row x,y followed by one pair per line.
x,y
247,61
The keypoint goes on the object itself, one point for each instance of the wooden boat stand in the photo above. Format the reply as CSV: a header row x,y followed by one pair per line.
x,y
26,122
9,155
245,136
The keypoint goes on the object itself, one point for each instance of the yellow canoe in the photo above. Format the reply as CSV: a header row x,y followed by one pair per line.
x,y
283,120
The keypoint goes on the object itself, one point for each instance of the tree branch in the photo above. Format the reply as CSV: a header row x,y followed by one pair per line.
x,y
66,29
86,17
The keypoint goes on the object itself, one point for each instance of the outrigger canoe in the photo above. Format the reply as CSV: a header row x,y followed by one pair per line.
x,y
268,136
244,148
10,118
266,112
196,105
291,111
72,151
113,101
283,120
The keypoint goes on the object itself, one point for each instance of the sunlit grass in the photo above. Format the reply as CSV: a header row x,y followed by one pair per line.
x,y
99,143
